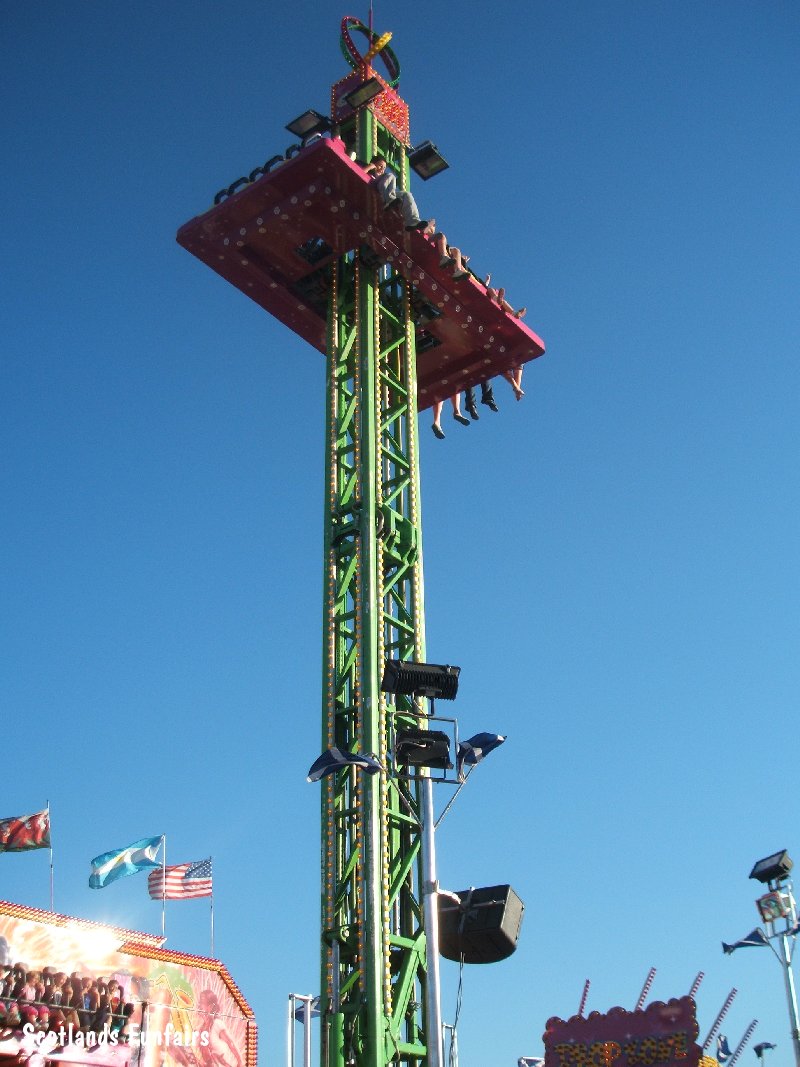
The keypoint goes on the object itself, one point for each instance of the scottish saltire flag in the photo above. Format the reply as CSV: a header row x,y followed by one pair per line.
x,y
181,882
723,1049
530,1061
755,939
299,1012
762,1048
24,832
119,863
475,748
333,759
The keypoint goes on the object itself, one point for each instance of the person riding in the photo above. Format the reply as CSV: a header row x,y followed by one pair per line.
x,y
385,182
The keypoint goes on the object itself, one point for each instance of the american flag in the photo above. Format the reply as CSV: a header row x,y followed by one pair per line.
x,y
181,882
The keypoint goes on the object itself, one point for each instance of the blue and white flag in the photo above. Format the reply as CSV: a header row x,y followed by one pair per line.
x,y
333,759
300,1013
755,939
119,863
476,747
530,1061
723,1049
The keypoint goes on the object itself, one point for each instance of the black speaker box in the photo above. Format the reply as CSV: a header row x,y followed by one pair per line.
x,y
484,928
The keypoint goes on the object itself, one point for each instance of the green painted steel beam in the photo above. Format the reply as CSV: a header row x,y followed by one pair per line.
x,y
374,970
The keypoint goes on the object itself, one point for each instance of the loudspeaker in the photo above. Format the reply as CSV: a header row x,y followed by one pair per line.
x,y
484,927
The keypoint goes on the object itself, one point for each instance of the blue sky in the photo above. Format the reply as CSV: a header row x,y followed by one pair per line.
x,y
612,561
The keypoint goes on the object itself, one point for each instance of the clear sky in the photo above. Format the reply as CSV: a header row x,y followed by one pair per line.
x,y
612,561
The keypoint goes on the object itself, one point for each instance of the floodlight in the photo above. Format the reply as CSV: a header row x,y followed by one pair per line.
x,y
773,906
426,160
363,93
422,748
309,122
420,679
772,869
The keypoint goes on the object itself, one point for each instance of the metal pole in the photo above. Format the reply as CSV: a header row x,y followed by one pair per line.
x,y
430,887
791,997
307,1001
449,1030
50,836
450,802
290,1033
164,886
307,1032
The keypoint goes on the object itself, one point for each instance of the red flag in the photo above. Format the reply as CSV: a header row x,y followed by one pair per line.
x,y
24,832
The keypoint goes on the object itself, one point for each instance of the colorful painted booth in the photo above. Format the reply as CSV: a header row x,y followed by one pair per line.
x,y
79,992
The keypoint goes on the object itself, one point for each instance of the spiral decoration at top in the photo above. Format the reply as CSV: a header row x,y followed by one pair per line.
x,y
378,45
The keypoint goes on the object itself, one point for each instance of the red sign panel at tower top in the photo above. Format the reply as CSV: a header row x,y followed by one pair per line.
x,y
388,107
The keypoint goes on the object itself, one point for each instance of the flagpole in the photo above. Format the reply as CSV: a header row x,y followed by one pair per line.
x,y
211,864
50,835
164,885
451,801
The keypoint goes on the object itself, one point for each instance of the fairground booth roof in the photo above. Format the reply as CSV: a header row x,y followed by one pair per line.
x,y
83,992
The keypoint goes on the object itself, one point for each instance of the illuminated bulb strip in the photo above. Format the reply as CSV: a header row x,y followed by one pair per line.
x,y
645,989
739,1048
381,393
358,875
722,1013
584,996
330,817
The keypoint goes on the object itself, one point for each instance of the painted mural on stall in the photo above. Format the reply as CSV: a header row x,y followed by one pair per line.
x,y
77,992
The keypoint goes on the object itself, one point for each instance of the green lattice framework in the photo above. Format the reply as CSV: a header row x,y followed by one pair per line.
x,y
373,938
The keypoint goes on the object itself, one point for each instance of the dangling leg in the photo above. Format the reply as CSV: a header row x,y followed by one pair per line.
x,y
469,403
437,420
440,241
455,400
514,379
408,206
487,396
459,260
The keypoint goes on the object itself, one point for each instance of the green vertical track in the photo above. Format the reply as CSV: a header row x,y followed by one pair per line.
x,y
373,939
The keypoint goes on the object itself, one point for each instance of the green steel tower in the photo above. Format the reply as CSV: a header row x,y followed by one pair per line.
x,y
308,238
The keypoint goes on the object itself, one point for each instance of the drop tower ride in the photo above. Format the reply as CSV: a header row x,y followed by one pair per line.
x,y
306,236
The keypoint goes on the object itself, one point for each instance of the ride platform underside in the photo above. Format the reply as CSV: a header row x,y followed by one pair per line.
x,y
275,239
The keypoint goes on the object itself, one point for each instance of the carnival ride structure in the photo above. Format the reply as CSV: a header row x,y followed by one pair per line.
x,y
307,237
